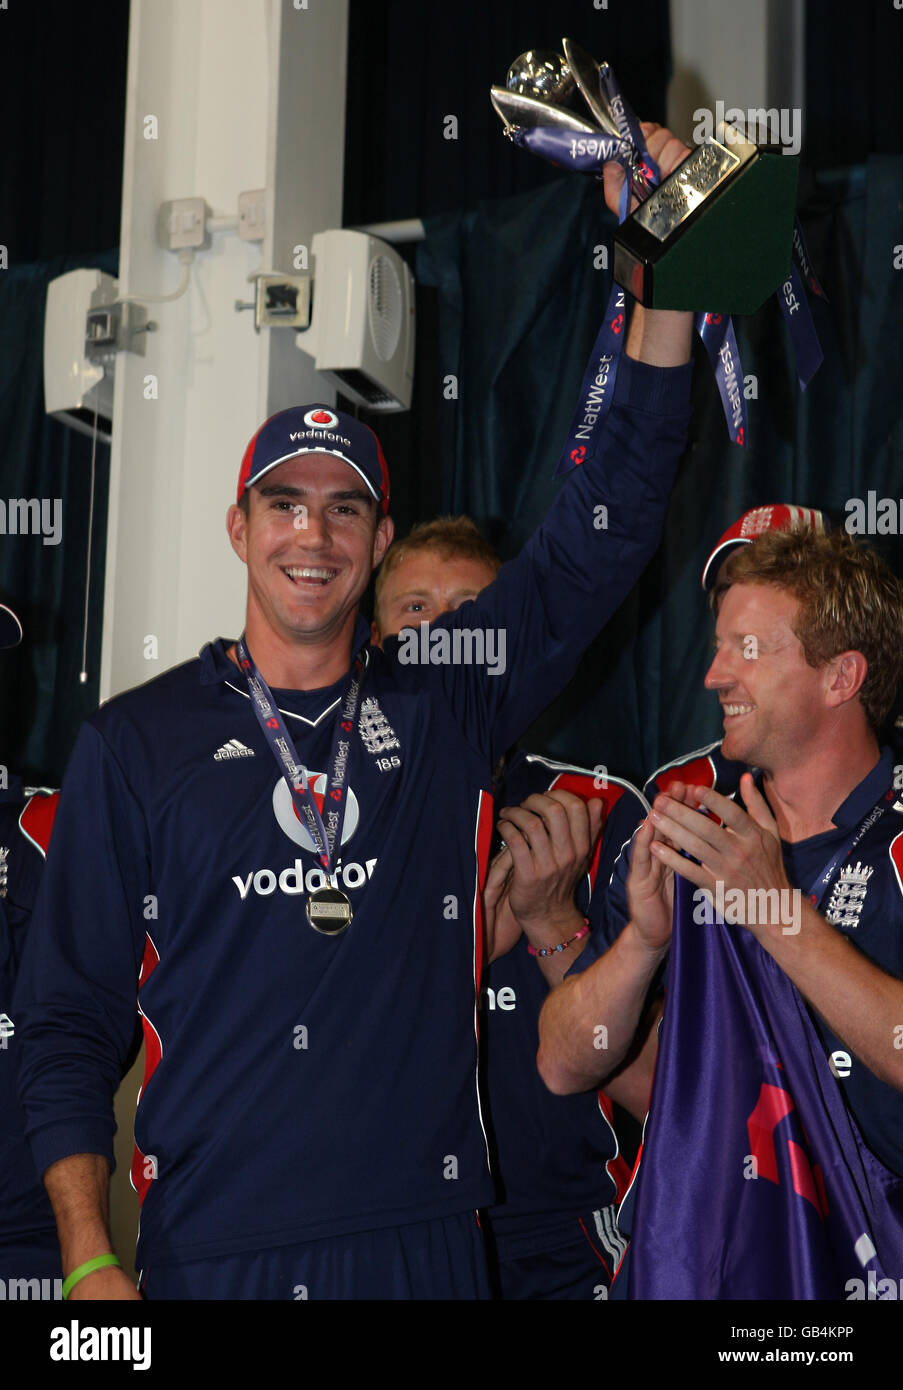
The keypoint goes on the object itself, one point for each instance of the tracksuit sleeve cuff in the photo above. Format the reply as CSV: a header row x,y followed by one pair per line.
x,y
64,1138
657,390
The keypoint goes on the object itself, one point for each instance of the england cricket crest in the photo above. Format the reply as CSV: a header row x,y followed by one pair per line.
x,y
846,902
376,732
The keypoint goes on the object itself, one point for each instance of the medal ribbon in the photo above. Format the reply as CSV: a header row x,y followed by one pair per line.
x,y
822,882
327,836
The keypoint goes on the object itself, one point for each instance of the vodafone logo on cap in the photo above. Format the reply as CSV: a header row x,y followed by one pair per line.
x,y
321,419
287,817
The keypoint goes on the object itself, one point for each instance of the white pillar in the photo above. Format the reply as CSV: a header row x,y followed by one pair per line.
x,y
247,94
305,158
749,56
244,94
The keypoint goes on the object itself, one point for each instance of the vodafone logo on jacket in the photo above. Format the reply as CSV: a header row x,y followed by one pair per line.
x,y
287,816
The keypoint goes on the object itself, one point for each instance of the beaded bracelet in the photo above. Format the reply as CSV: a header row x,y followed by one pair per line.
x,y
562,945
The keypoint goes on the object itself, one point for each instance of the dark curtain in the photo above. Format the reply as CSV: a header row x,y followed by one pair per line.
x,y
42,700
62,102
854,95
62,99
520,306
515,323
410,66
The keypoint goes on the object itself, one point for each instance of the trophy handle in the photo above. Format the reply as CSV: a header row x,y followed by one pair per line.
x,y
585,71
518,110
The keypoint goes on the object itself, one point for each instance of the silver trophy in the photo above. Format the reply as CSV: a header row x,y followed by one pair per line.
x,y
540,73
539,81
717,230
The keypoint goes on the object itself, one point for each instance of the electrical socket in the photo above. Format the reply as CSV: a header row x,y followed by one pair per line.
x,y
252,215
112,328
283,301
182,224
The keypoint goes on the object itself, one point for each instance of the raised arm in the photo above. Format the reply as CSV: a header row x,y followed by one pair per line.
x,y
527,631
660,338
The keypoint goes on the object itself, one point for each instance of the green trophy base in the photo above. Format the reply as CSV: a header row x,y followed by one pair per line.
x,y
717,234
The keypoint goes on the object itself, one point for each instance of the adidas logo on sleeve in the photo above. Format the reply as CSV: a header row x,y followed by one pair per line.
x,y
234,748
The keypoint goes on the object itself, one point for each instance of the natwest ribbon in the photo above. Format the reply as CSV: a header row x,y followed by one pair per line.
x,y
588,153
597,387
326,834
720,342
572,150
795,308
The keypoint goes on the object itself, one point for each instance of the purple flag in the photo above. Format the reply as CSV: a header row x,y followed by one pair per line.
x,y
755,1181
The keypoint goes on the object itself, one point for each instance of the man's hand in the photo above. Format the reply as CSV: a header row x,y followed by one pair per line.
x,y
666,150
650,891
856,999
502,927
742,853
659,337
551,838
550,841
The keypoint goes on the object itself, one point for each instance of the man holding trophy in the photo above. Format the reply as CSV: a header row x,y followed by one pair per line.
x,y
310,1125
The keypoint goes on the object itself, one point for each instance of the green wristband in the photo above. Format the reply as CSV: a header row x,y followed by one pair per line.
x,y
99,1262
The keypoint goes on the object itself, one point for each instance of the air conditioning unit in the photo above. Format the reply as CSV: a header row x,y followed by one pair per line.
x,y
361,333
74,385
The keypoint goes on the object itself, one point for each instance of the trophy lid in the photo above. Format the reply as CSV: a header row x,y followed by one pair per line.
x,y
540,73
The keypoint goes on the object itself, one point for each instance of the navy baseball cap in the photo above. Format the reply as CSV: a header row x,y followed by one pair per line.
x,y
10,627
316,429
